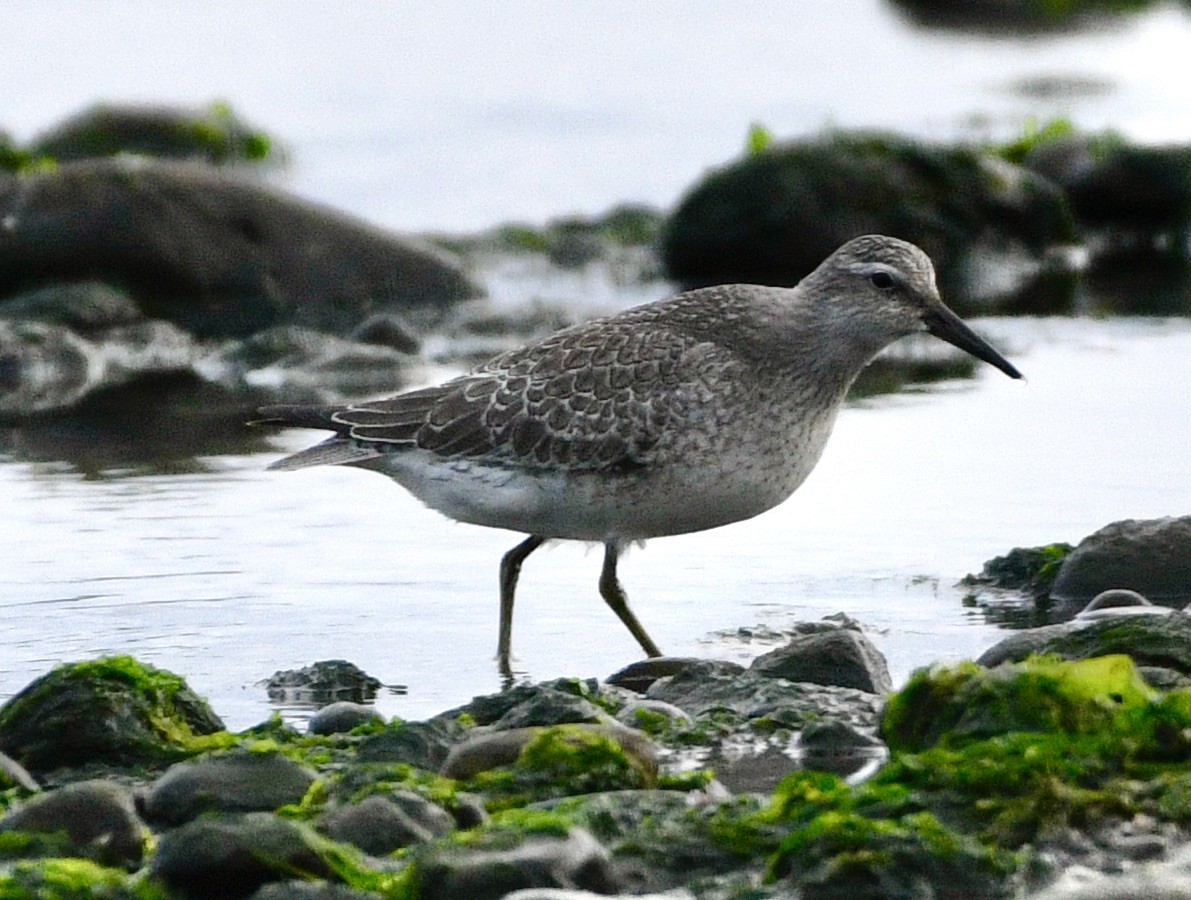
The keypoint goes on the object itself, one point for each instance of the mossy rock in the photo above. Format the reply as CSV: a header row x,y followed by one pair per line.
x,y
1030,571
773,216
113,710
214,135
73,879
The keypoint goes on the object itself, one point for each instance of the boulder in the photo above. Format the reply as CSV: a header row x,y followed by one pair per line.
x,y
238,781
421,744
323,683
838,656
1150,556
342,716
113,710
773,216
212,253
378,825
98,819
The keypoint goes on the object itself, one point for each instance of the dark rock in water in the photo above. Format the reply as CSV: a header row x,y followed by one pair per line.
x,y
323,683
839,656
1151,556
1143,276
450,872
1025,575
421,744
232,856
638,676
1151,640
378,825
113,710
837,747
98,819
238,781
774,216
214,254
213,135
489,708
1024,17
13,774
1111,183
342,716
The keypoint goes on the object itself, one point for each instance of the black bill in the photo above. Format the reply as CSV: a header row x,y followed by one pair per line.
x,y
944,324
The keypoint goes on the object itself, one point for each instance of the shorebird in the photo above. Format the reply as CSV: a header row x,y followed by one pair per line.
x,y
693,412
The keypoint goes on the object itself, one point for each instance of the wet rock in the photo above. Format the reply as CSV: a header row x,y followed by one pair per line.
x,y
638,676
837,656
113,710
322,683
387,330
550,707
213,135
774,216
232,856
238,781
342,716
562,894
1110,182
1025,17
487,709
1165,880
1151,556
1029,571
13,774
839,748
376,825
84,306
503,748
97,817
1163,641
447,872
421,744
215,255
640,713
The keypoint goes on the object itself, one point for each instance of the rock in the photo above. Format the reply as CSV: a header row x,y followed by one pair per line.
x,y
421,744
342,716
999,18
228,857
387,330
13,774
641,713
448,872
1152,557
322,683
84,306
1030,571
1165,880
839,748
773,216
97,817
550,707
113,710
1163,641
503,748
376,825
213,135
563,894
1112,183
638,676
215,255
489,708
837,656
311,890
238,781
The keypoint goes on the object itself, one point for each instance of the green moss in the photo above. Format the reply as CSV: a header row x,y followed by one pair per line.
x,y
1034,134
73,879
363,780
560,761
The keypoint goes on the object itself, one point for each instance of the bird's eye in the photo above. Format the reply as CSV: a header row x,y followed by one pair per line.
x,y
883,280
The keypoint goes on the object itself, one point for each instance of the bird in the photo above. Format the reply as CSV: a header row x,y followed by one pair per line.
x,y
677,416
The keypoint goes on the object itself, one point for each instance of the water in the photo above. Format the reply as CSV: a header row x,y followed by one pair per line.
x,y
230,574
459,116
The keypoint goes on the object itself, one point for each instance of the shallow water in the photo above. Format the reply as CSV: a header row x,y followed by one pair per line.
x,y
227,575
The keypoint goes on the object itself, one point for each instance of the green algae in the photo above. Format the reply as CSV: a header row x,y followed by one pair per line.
x,y
74,879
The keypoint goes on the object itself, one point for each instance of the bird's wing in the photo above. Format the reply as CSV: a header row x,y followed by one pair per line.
x,y
597,396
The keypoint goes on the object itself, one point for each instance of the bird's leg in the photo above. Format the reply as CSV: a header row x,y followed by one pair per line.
x,y
614,596
510,570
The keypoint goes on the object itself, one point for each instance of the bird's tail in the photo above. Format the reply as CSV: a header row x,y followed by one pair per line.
x,y
335,451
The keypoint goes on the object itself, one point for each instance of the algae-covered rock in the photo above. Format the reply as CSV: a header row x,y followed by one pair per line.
x,y
73,879
1162,641
773,216
97,819
232,856
1030,571
213,135
342,716
113,710
238,781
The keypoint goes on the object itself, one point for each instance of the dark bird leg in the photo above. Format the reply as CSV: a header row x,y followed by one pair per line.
x,y
510,570
614,596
